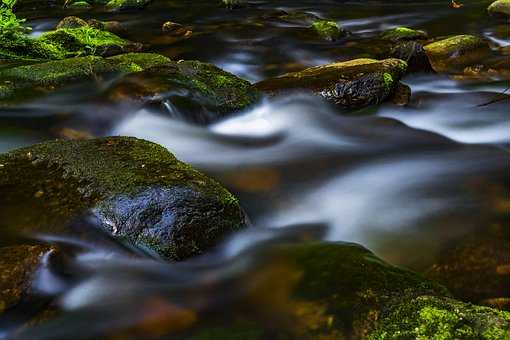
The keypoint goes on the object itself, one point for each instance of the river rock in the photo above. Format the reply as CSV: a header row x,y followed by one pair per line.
x,y
37,79
199,91
328,30
403,34
343,291
71,22
354,83
476,269
139,192
453,54
17,266
500,8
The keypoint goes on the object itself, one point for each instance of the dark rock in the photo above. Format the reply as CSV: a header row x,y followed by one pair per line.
x,y
71,22
142,194
353,83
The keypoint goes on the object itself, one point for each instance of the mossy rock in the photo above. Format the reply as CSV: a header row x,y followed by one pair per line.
x,y
71,22
79,5
453,54
30,81
138,190
403,34
343,291
232,4
18,46
120,5
354,83
87,40
431,317
201,91
328,30
17,266
500,8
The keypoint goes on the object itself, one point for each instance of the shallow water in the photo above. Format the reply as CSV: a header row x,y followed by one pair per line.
x,y
403,181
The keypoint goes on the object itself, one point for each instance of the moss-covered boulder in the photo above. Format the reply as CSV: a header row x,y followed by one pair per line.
x,y
30,81
354,83
232,4
71,22
201,92
87,40
343,291
120,5
328,30
500,8
403,34
138,190
453,54
17,266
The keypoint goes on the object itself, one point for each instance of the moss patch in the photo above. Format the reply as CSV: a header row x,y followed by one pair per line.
x,y
328,30
402,33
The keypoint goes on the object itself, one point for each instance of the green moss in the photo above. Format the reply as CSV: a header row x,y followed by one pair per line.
x,y
402,33
328,29
82,40
79,5
31,80
388,80
126,4
427,317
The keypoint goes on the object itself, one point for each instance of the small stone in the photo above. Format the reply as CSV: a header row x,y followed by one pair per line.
x,y
328,30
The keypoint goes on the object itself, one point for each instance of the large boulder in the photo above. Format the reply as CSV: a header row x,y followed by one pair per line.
x,y
199,91
343,291
139,192
29,81
452,55
354,83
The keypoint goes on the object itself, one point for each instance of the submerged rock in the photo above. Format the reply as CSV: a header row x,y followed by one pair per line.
x,y
32,80
476,269
201,92
343,291
500,8
328,30
353,83
17,266
453,54
140,192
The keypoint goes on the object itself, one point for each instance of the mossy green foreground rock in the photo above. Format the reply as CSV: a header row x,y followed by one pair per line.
x,y
354,83
453,54
36,79
139,191
343,291
202,91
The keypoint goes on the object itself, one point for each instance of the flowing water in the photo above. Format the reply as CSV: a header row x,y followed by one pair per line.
x,y
402,181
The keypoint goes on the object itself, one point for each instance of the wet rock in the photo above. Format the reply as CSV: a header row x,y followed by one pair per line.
x,y
83,5
403,34
120,5
328,30
71,22
139,191
413,53
402,95
200,92
500,8
353,83
232,4
17,266
114,27
476,269
294,17
30,81
175,29
88,40
453,54
343,291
